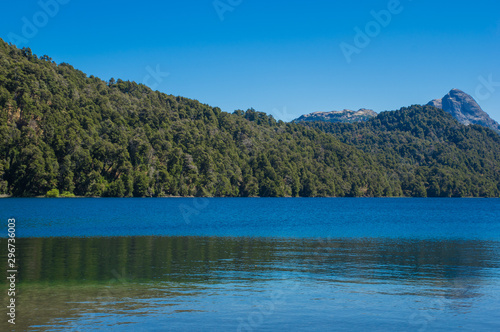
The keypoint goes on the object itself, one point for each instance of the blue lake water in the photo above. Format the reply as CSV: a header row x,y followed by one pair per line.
x,y
255,264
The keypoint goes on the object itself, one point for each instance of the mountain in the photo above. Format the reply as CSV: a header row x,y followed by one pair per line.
x,y
465,109
428,150
64,131
347,116
458,103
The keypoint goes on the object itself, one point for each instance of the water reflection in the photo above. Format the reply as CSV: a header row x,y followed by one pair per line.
x,y
105,281
191,259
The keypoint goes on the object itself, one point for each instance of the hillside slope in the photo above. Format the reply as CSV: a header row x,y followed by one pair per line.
x,y
61,129
429,151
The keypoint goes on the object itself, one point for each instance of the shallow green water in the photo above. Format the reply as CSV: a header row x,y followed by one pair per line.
x,y
437,273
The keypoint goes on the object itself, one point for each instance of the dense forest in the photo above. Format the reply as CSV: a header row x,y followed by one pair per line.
x,y
62,131
428,151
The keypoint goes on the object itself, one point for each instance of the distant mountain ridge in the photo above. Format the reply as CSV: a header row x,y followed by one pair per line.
x,y
459,104
346,116
465,109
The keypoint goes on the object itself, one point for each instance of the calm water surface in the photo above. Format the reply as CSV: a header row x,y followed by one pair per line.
x,y
255,264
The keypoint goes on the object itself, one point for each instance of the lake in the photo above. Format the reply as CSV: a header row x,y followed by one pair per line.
x,y
254,264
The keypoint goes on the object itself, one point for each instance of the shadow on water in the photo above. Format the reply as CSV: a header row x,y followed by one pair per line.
x,y
62,280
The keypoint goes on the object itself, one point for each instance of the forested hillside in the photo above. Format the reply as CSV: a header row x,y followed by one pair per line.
x,y
60,129
63,130
430,152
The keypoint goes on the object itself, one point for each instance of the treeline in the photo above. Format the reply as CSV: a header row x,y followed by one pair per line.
x,y
61,131
428,151
80,135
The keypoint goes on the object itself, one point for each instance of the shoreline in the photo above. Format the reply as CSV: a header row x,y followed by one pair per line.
x,y
73,197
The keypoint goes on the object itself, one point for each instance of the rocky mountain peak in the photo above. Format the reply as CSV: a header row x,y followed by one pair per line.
x,y
346,115
465,109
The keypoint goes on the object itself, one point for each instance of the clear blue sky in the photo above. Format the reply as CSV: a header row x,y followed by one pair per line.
x,y
279,57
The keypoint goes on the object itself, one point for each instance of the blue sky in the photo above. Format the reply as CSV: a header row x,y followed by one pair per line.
x,y
280,57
